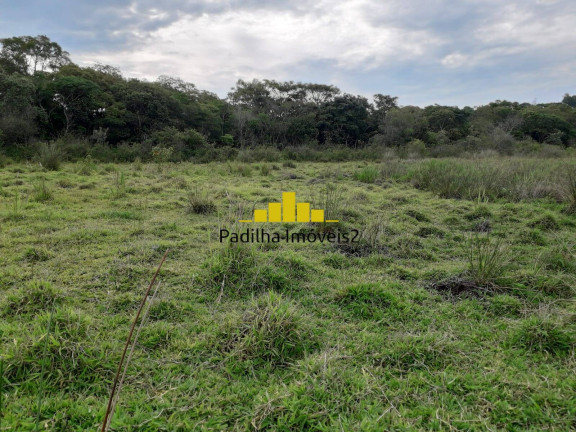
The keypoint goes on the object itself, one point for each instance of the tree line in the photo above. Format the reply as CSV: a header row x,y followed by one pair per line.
x,y
45,97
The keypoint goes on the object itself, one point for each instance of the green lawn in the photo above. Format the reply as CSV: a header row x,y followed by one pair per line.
x,y
451,314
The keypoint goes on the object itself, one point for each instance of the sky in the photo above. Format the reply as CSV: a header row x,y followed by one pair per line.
x,y
450,52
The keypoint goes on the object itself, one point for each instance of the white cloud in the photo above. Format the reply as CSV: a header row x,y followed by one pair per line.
x,y
214,50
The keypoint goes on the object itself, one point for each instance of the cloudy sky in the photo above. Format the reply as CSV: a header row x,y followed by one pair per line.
x,y
453,52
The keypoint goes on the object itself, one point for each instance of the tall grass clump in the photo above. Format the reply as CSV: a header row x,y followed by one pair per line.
x,y
487,259
42,192
367,175
571,190
119,185
520,179
199,202
50,156
272,332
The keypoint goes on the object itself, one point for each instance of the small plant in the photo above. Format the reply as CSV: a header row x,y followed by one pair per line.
x,y
486,259
200,203
289,164
50,156
367,174
41,191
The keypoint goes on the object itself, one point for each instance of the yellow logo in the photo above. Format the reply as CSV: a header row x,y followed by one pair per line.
x,y
289,211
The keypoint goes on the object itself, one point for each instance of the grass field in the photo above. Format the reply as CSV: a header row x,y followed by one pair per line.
x,y
455,311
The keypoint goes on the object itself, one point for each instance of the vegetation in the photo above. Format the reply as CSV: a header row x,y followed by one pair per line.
x,y
52,110
455,311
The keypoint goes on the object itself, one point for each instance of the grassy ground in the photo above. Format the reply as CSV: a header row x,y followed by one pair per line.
x,y
456,312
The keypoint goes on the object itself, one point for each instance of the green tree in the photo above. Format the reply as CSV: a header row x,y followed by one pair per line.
x,y
28,54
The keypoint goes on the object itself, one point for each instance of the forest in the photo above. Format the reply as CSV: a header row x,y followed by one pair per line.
x,y
49,104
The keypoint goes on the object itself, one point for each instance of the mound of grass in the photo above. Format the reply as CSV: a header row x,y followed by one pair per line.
x,y
240,269
546,223
412,352
66,353
337,261
272,332
430,231
368,301
37,254
480,212
34,298
538,334
419,216
504,305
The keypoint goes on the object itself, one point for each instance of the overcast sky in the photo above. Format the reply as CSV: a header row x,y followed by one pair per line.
x,y
453,52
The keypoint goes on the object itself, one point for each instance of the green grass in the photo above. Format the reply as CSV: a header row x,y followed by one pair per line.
x,y
455,312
